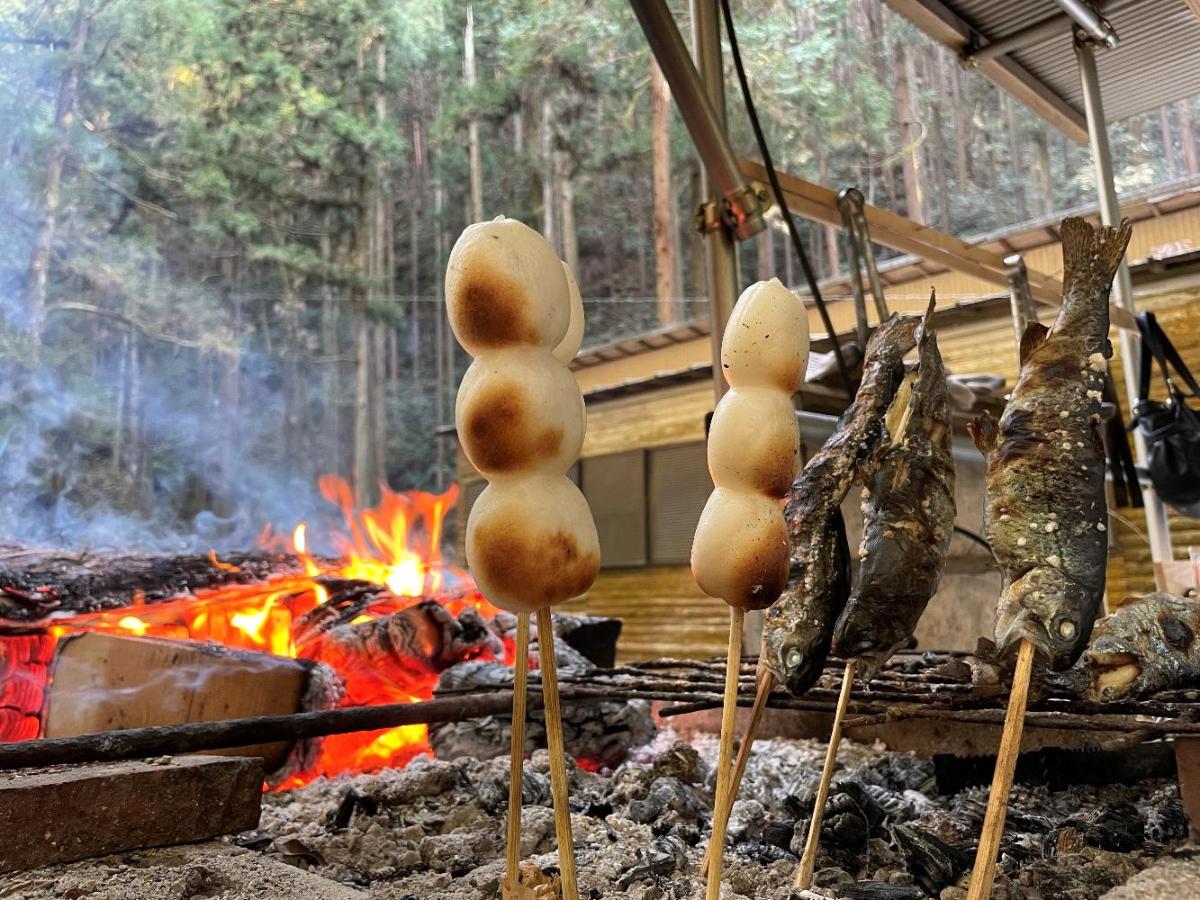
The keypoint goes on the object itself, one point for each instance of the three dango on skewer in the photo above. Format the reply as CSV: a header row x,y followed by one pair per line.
x,y
531,542
740,552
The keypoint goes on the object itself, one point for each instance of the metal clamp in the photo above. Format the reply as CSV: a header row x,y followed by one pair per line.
x,y
851,205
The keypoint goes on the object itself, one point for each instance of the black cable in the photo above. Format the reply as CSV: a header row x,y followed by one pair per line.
x,y
809,276
972,536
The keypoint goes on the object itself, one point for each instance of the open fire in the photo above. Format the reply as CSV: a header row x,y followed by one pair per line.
x,y
310,614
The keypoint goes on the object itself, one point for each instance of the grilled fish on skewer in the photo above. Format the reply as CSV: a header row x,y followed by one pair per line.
x,y
908,516
798,628
1046,513
1147,645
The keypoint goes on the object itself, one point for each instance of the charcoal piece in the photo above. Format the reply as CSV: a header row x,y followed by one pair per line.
x,y
595,809
902,772
1118,827
879,890
600,733
845,829
592,639
1166,822
872,811
667,795
896,807
663,858
535,791
779,832
762,853
595,637
681,761
353,802
931,861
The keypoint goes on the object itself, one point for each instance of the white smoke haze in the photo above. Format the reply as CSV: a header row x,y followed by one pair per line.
x,y
200,482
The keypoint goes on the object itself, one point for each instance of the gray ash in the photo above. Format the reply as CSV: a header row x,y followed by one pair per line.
x,y
435,831
641,831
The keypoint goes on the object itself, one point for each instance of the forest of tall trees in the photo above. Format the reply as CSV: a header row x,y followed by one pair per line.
x,y
226,224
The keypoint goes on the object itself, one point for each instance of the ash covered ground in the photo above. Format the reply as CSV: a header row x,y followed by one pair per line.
x,y
435,831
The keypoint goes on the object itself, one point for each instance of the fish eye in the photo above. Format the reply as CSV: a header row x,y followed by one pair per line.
x,y
794,658
1066,628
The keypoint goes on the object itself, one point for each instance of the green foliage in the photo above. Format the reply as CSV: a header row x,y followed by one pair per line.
x,y
245,181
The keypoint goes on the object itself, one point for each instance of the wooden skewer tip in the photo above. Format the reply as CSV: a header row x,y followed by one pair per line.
x,y
559,779
512,847
984,872
804,874
716,843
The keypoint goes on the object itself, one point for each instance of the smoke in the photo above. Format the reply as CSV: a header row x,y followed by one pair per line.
x,y
86,463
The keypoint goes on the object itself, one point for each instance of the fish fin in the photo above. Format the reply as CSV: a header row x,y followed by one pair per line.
x,y
1034,337
1092,252
984,431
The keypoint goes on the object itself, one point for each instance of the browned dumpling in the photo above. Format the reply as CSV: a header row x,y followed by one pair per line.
x,y
514,306
506,287
740,551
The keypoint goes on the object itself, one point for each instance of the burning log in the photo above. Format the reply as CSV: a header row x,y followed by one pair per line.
x,y
35,582
403,652
24,669
104,682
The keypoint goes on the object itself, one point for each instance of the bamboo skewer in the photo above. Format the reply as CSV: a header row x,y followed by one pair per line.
x,y
804,875
512,845
558,766
716,843
766,682
984,872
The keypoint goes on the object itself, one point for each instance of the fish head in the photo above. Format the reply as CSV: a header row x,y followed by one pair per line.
x,y
794,649
872,642
1051,611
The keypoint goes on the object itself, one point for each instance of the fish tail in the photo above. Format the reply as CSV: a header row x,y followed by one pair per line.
x,y
1092,255
927,320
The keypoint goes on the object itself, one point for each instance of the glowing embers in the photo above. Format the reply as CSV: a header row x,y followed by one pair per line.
x,y
387,615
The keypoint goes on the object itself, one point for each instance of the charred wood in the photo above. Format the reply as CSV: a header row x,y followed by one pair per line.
x,y
35,582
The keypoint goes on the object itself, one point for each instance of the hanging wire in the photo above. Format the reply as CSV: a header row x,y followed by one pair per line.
x,y
805,265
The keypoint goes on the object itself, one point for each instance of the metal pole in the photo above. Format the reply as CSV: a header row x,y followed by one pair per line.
x,y
1110,214
1023,310
719,250
739,207
860,299
1090,22
1056,24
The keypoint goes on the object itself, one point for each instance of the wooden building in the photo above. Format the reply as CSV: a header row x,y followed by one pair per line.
x,y
643,466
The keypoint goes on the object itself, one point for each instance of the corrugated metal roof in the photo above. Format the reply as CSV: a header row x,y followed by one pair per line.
x,y
1157,61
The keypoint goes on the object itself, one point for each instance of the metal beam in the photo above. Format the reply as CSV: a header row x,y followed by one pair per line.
x,y
948,28
1157,527
1057,24
719,251
738,205
812,201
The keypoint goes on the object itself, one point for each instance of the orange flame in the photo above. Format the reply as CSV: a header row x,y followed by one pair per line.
x,y
395,544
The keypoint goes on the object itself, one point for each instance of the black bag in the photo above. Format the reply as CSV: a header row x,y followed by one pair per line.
x,y
1171,429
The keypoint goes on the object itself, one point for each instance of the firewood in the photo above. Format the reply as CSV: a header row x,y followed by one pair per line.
x,y
106,682
35,582
64,814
